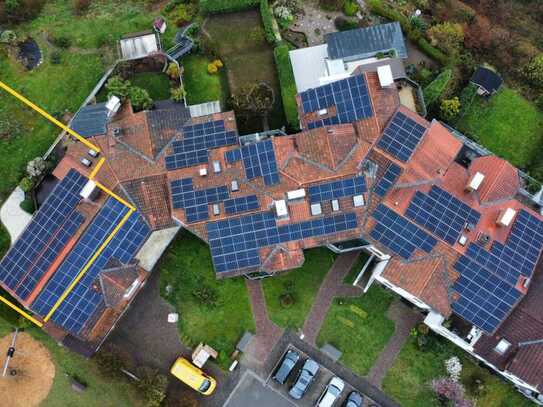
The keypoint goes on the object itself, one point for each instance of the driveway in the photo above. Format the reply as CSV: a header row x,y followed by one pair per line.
x,y
145,333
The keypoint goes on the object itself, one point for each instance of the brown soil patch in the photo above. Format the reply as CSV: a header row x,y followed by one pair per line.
x,y
35,372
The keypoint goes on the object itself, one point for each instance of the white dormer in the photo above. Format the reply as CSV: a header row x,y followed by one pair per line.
x,y
281,208
89,191
296,194
113,105
506,216
475,182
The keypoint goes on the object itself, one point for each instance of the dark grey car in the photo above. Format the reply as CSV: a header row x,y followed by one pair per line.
x,y
355,399
287,365
305,378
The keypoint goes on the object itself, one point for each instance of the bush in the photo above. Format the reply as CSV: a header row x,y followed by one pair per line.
x,y
81,6
288,85
152,385
118,87
447,36
61,41
344,24
185,14
206,295
350,8
18,11
140,98
533,71
109,361
56,58
27,205
267,21
436,88
226,6
8,37
212,68
178,94
449,108
173,71
26,184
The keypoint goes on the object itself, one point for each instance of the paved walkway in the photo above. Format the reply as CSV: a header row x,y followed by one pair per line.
x,y
332,286
404,319
13,217
267,333
315,22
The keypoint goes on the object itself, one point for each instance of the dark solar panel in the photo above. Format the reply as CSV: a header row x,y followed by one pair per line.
x,y
388,179
259,161
44,238
195,202
441,213
485,300
398,234
83,301
234,243
233,156
91,120
243,204
197,139
401,137
337,189
350,97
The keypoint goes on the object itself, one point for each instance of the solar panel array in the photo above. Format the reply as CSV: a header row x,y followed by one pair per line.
x,y
195,202
197,139
259,161
235,242
485,299
401,137
387,180
84,300
487,302
243,204
44,238
233,156
337,189
398,234
441,213
350,97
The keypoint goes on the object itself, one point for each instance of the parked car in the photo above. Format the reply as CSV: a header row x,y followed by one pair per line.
x,y
305,378
331,393
192,376
354,399
286,367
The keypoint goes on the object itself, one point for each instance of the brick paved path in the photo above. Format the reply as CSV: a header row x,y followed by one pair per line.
x,y
404,319
331,287
267,333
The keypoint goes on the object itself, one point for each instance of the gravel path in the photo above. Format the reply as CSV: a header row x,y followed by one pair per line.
x,y
331,287
404,319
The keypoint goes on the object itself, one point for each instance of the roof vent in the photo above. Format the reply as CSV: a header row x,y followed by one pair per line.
x,y
322,112
316,209
281,208
234,186
93,153
89,191
216,167
463,240
483,239
475,182
86,162
506,216
116,131
113,105
203,172
216,210
469,226
526,282
296,194
335,205
358,200
385,75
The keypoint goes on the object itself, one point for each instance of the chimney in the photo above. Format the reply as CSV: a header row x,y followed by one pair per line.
x,y
506,216
475,182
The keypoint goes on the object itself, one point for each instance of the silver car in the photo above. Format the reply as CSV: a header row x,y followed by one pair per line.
x,y
331,393
305,378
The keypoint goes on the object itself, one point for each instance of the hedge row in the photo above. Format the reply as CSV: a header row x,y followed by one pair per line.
x,y
435,89
226,6
288,85
267,21
413,33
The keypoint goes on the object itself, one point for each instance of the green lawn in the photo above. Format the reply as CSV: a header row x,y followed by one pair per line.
x,y
359,328
101,391
239,39
157,84
199,84
303,283
507,124
357,267
409,379
188,269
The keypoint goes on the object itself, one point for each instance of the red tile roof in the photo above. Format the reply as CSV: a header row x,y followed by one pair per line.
x,y
501,179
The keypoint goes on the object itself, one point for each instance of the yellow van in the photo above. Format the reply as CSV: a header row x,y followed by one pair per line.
x,y
193,377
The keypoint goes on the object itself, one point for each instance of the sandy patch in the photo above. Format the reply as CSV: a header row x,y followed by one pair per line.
x,y
35,372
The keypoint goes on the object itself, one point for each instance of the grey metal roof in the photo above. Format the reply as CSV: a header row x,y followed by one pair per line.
x,y
366,42
487,79
91,120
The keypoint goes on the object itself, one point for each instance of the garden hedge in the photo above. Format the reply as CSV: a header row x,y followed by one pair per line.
x,y
288,85
226,6
413,33
267,21
437,87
